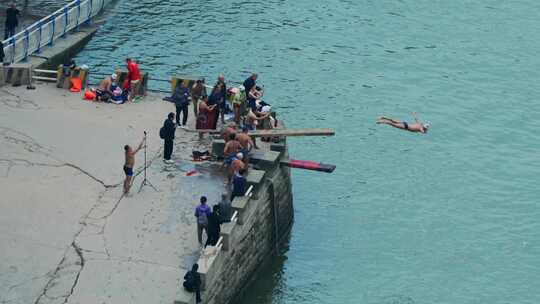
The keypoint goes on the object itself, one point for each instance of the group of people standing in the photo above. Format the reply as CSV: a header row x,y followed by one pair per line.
x,y
244,101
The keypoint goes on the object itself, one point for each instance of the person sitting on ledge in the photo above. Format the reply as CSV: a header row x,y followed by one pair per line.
x,y
236,165
417,127
104,92
192,282
239,184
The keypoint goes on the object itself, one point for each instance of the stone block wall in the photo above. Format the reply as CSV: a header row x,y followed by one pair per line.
x,y
263,222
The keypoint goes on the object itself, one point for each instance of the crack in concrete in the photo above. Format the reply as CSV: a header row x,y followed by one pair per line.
x,y
24,162
18,138
15,101
82,261
84,223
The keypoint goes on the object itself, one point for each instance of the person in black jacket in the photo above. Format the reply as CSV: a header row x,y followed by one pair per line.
x,y
181,101
213,228
168,136
12,20
192,282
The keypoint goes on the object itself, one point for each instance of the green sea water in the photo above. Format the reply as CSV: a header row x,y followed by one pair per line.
x,y
448,217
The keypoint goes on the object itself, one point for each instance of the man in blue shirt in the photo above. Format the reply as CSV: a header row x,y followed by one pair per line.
x,y
181,101
201,213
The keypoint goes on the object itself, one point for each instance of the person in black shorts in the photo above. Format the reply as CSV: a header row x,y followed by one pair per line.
x,y
416,127
129,164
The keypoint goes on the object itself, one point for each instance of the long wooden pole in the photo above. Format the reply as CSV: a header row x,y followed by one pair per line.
x,y
278,132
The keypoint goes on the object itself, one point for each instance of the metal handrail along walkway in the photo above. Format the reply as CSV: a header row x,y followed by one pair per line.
x,y
49,29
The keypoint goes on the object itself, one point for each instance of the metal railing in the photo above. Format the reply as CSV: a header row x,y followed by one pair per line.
x,y
50,28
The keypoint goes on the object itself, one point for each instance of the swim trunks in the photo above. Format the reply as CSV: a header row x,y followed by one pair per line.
x,y
229,160
406,125
244,152
128,171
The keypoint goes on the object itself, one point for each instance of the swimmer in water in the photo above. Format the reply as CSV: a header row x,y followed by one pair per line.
x,y
417,127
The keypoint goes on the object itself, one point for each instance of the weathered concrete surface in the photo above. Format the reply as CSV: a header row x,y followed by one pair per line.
x,y
68,234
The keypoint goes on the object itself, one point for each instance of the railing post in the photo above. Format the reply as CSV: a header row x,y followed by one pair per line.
x,y
39,37
65,21
12,49
89,17
53,25
78,14
102,5
26,43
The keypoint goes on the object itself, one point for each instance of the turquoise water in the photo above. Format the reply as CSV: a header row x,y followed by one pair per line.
x,y
448,217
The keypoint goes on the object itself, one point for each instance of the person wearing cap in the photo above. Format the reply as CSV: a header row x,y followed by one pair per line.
x,y
104,92
417,127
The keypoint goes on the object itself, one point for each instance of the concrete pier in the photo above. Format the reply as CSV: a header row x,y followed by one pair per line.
x,y
68,233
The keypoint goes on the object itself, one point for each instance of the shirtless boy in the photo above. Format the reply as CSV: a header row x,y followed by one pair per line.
x,y
246,143
129,164
417,127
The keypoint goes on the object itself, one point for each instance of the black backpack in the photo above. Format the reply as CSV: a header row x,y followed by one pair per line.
x,y
162,132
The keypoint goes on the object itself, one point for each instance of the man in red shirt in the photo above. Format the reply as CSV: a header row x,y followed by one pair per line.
x,y
134,77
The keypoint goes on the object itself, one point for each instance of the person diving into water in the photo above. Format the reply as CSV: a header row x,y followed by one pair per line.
x,y
417,127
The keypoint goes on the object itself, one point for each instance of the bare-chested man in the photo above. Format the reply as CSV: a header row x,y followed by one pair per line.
x,y
417,127
129,164
229,129
104,92
246,143
236,165
232,147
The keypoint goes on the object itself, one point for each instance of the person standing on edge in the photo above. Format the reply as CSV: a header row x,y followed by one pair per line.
x,y
12,20
239,184
129,164
222,97
246,142
214,227
214,99
181,101
250,82
198,91
225,209
201,213
167,131
134,78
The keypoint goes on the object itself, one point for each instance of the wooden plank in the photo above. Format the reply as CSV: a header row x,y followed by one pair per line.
x,y
309,165
293,132
278,132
